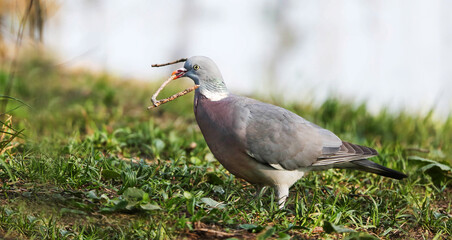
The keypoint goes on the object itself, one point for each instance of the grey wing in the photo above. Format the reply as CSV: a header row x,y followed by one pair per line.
x,y
282,139
278,137
348,152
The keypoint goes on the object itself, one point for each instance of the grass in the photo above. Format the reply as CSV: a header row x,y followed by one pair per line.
x,y
93,163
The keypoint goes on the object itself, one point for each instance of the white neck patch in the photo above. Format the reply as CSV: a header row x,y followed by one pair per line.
x,y
214,96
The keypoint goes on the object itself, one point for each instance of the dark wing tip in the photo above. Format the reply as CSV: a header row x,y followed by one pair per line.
x,y
369,166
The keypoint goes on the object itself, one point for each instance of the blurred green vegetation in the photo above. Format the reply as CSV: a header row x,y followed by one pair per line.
x,y
93,162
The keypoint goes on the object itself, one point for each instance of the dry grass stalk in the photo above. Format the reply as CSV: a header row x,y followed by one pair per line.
x,y
7,135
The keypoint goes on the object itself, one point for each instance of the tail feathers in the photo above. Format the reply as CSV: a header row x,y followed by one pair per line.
x,y
358,149
369,166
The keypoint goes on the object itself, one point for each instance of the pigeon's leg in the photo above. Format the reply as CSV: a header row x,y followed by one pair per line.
x,y
260,190
282,192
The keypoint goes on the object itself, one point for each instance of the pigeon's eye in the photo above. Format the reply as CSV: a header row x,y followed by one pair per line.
x,y
196,67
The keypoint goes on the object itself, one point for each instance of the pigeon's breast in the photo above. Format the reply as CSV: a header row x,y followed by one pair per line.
x,y
224,131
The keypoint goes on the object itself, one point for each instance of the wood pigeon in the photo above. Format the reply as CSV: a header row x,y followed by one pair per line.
x,y
264,144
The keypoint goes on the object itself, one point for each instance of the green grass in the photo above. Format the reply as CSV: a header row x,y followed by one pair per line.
x,y
93,163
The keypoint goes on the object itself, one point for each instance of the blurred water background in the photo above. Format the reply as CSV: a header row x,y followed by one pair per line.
x,y
395,54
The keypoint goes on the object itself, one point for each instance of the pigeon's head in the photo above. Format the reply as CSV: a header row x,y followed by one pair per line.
x,y
205,73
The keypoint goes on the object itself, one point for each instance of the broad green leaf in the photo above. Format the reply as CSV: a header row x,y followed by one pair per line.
x,y
145,197
283,236
149,206
430,162
248,226
64,232
74,211
188,195
213,178
251,227
132,205
134,194
441,167
110,174
121,205
8,211
31,218
437,171
209,157
196,161
159,144
91,194
332,228
360,236
218,189
212,203
266,234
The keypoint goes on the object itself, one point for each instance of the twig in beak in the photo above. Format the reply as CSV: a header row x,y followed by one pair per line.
x,y
156,103
154,97
170,63
160,102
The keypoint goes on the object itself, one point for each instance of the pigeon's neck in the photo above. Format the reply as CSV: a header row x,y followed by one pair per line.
x,y
214,91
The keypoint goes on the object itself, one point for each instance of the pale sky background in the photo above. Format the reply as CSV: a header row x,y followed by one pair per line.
x,y
388,53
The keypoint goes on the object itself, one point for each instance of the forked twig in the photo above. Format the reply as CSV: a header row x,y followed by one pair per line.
x,y
170,63
160,102
155,102
154,97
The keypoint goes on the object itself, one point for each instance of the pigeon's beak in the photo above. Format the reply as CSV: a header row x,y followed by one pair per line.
x,y
179,73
